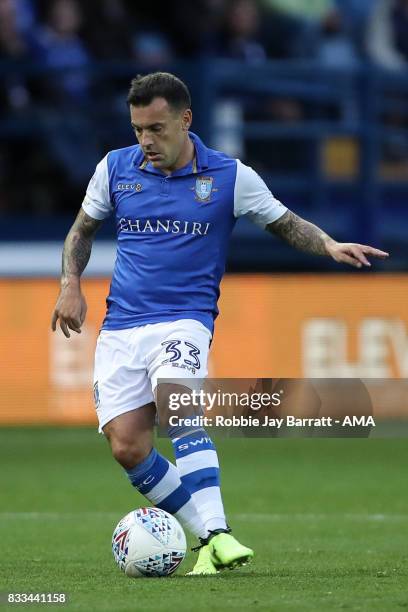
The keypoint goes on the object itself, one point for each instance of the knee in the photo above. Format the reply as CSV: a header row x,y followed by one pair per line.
x,y
128,454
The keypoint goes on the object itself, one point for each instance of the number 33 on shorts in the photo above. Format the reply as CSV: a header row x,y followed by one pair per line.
x,y
181,354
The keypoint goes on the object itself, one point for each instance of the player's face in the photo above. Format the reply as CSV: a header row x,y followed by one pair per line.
x,y
161,132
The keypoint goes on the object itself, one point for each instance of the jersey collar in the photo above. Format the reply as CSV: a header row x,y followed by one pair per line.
x,y
196,166
201,153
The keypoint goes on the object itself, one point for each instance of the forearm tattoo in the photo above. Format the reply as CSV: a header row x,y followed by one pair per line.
x,y
301,234
78,245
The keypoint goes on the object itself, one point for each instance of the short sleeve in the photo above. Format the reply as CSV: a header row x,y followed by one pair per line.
x,y
253,199
97,203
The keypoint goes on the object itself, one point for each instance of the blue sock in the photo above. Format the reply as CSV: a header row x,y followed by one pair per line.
x,y
197,463
159,481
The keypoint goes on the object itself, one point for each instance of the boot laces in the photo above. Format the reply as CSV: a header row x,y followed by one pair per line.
x,y
212,533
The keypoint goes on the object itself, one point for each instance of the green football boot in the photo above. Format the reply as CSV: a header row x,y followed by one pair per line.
x,y
226,552
218,552
204,565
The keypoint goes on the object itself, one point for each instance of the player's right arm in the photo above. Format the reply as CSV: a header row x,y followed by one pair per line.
x,y
70,309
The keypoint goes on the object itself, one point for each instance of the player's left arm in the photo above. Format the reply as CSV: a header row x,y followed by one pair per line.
x,y
253,199
307,237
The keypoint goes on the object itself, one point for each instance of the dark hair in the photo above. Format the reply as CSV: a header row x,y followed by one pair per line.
x,y
144,89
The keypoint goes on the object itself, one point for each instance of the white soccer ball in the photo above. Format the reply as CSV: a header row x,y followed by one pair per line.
x,y
148,542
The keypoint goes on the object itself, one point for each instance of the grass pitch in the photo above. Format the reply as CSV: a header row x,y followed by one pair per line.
x,y
328,521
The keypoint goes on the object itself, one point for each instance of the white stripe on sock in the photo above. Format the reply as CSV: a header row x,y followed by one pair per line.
x,y
211,508
169,483
188,517
187,514
197,461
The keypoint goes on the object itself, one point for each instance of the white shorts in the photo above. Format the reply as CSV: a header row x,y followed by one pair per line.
x,y
128,363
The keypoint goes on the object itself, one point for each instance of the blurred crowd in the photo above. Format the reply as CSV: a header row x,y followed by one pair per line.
x,y
73,33
69,36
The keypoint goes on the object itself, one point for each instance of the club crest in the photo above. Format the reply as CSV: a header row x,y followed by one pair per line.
x,y
203,188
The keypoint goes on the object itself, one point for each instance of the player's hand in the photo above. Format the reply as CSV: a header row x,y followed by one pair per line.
x,y
70,310
353,254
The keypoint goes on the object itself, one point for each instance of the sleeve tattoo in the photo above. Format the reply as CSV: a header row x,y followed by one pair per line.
x,y
300,233
78,245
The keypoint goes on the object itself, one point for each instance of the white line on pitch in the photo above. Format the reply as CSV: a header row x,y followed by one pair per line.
x,y
57,515
320,517
251,517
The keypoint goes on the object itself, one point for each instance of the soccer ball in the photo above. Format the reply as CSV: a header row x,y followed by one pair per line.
x,y
148,542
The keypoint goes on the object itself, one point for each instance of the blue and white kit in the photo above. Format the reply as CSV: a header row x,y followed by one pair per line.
x,y
173,233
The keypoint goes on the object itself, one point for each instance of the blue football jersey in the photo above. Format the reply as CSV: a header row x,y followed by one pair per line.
x,y
173,231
